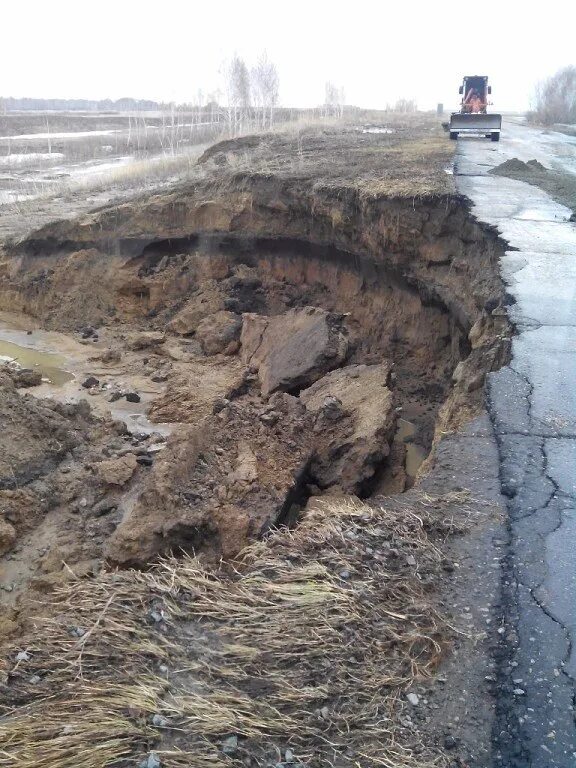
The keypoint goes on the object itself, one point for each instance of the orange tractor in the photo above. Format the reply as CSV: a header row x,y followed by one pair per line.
x,y
473,117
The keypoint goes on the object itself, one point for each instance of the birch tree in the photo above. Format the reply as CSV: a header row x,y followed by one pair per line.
x,y
333,99
237,92
265,84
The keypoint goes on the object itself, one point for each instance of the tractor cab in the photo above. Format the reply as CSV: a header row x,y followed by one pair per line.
x,y
474,85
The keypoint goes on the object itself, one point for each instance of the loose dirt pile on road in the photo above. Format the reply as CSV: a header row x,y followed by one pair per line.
x,y
303,325
558,184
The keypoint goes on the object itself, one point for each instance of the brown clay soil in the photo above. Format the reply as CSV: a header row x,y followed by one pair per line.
x,y
298,322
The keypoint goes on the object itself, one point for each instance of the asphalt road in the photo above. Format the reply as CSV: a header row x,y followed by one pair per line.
x,y
532,403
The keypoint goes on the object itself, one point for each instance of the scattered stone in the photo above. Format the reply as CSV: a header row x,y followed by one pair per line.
x,y
288,756
413,699
145,460
152,761
230,745
111,356
156,447
148,340
23,656
7,536
159,721
270,418
35,679
450,742
104,507
132,397
114,396
90,382
116,471
26,377
159,377
519,692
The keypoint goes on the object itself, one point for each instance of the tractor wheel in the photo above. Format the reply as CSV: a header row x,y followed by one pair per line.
x,y
495,137
454,135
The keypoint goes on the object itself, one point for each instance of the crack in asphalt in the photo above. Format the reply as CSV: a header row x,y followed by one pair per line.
x,y
564,628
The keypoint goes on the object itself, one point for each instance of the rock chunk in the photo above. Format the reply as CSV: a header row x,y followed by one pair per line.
x,y
205,302
216,332
111,356
90,382
116,471
147,340
292,350
354,421
7,536
26,377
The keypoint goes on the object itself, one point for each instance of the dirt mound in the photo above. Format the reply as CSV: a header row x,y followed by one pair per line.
x,y
221,484
516,169
63,477
560,185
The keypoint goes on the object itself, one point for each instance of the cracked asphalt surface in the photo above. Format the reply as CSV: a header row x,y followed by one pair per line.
x,y
532,404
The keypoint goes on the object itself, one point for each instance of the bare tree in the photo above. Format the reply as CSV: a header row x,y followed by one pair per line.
x,y
556,98
405,105
237,92
333,99
265,82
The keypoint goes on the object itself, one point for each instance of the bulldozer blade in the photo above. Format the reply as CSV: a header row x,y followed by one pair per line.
x,y
475,123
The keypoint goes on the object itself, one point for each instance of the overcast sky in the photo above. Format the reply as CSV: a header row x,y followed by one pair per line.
x,y
376,50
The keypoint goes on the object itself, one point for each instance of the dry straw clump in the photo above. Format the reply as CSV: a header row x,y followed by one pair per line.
x,y
307,644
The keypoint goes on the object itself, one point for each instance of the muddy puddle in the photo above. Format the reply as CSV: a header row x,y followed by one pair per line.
x,y
51,366
64,364
415,454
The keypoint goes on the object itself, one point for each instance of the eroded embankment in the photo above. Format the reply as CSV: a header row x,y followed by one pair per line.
x,y
408,314
283,329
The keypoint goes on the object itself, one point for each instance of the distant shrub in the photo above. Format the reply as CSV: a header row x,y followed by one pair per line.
x,y
555,100
405,106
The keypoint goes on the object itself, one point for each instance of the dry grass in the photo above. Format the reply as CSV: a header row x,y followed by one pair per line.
x,y
309,643
409,162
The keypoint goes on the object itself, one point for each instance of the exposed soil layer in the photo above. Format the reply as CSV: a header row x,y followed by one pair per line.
x,y
414,286
298,331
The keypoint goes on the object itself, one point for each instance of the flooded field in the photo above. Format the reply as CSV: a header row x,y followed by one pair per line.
x,y
94,150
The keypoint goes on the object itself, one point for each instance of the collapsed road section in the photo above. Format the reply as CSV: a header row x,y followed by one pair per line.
x,y
309,338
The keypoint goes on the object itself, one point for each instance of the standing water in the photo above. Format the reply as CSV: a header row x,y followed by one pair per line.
x,y
50,365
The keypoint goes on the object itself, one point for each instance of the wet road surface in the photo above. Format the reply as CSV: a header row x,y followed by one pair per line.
x,y
532,403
